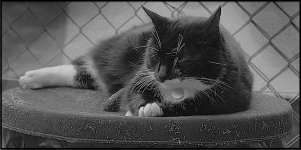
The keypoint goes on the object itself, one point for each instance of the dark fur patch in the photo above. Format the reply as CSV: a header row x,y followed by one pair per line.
x,y
83,78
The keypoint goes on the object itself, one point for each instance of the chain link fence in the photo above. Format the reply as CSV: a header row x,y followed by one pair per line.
x,y
41,34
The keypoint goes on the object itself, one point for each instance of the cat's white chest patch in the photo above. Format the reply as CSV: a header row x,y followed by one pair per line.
x,y
176,91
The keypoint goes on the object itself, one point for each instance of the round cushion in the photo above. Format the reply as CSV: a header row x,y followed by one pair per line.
x,y
76,115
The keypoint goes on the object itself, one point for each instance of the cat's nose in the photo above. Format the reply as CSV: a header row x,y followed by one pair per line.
x,y
160,78
162,73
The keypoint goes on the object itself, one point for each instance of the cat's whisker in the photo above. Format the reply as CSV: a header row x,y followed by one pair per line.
x,y
222,88
174,50
147,72
180,40
139,82
141,58
180,48
142,85
135,86
171,53
180,45
154,46
149,83
153,55
195,101
225,84
153,86
217,63
218,82
210,81
175,63
134,48
217,95
144,80
191,85
211,99
157,37
204,80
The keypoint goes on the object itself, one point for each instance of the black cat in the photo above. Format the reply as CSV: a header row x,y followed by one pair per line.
x,y
172,67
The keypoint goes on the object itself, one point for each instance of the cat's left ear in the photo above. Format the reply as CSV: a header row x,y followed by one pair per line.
x,y
160,22
213,21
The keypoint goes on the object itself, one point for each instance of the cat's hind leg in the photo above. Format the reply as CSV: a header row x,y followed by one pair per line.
x,y
73,75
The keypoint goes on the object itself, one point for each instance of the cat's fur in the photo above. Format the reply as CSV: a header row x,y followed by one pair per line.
x,y
146,63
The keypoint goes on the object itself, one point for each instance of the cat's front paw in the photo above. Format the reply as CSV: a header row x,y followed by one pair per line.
x,y
31,80
150,110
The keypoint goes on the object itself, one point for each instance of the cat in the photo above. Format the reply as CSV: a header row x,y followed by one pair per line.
x,y
170,67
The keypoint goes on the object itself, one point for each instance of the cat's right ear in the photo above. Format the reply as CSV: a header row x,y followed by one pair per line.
x,y
214,20
159,21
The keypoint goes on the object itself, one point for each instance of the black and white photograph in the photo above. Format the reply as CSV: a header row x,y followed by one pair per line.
x,y
150,74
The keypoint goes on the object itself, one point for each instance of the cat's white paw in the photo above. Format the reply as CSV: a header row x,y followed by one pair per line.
x,y
129,113
150,110
32,79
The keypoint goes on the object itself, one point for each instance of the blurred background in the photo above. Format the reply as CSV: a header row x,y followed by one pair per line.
x,y
43,34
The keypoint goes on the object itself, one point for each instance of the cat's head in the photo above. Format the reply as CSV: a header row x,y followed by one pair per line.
x,y
185,52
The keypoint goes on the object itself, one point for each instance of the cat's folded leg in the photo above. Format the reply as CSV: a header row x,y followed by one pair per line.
x,y
150,110
138,106
62,75
112,104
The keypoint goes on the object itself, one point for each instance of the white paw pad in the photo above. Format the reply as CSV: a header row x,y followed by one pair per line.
x,y
32,80
150,110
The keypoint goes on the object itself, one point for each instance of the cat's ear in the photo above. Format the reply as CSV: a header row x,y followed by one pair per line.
x,y
159,21
213,21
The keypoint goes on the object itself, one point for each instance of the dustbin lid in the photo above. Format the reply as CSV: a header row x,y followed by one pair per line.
x,y
76,115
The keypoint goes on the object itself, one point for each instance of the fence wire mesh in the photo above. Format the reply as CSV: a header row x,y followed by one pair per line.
x,y
41,34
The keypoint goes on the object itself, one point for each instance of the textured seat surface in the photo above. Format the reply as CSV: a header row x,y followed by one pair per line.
x,y
76,115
